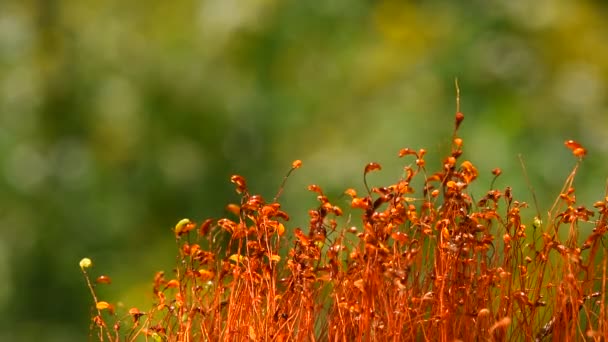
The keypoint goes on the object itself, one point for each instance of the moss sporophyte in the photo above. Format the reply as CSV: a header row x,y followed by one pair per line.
x,y
404,262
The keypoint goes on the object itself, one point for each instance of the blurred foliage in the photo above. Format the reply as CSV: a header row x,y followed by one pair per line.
x,y
118,118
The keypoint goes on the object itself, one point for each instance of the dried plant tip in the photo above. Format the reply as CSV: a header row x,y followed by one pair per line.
x,y
469,171
336,210
497,172
351,192
241,184
233,208
458,142
361,203
85,263
401,237
449,162
315,188
406,151
459,118
577,149
280,229
101,305
296,164
369,168
579,152
255,202
205,227
372,167
173,283
136,314
135,311
227,225
103,279
571,144
451,185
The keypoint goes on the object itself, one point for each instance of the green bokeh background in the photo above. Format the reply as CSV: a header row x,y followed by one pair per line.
x,y
119,118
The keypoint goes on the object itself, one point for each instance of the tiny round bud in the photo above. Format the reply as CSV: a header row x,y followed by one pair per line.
x,y
537,223
459,118
85,263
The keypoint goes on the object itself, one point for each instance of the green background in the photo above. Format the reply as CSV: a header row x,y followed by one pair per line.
x,y
118,118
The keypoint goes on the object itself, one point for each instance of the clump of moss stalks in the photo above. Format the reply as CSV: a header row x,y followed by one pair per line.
x,y
424,264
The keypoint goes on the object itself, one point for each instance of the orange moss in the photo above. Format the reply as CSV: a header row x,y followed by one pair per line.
x,y
439,266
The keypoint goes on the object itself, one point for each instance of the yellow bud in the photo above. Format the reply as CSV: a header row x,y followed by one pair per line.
x,y
179,227
85,263
537,223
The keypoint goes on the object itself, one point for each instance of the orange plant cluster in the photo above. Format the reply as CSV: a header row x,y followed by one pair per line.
x,y
423,264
